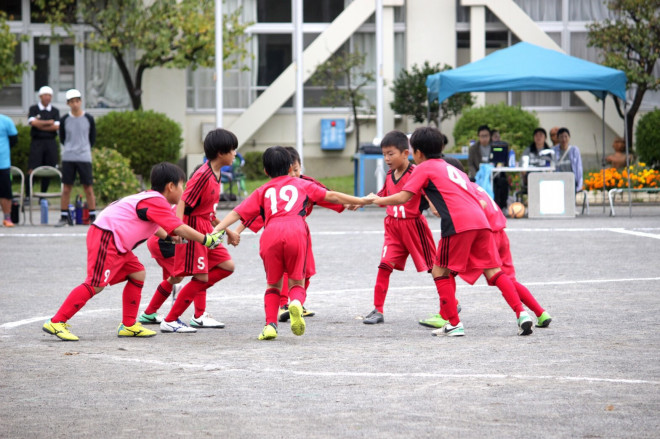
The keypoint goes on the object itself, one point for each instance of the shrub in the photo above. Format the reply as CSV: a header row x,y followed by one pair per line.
x,y
113,178
514,124
21,151
254,166
641,176
647,138
143,137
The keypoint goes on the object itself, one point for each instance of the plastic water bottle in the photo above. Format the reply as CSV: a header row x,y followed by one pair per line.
x,y
72,214
79,210
44,210
512,158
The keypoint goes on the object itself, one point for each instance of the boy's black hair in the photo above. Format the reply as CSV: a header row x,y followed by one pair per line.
x,y
396,139
295,157
455,163
562,131
484,127
163,173
219,141
429,141
277,161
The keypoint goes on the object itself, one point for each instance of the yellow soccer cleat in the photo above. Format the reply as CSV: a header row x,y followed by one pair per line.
x,y
137,330
297,320
269,332
59,330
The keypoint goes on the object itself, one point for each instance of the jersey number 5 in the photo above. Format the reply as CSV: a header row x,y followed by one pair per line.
x,y
288,193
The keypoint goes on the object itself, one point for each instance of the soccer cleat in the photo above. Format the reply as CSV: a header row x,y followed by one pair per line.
x,y
308,312
134,331
543,321
297,320
433,321
150,319
176,326
374,317
7,223
524,324
269,332
59,330
450,331
283,314
205,321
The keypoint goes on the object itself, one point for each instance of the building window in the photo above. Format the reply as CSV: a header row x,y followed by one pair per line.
x,y
13,9
55,66
10,95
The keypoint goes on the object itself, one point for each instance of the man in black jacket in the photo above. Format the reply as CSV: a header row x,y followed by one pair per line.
x,y
45,122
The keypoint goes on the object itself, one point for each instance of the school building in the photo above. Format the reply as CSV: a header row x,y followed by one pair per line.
x,y
453,32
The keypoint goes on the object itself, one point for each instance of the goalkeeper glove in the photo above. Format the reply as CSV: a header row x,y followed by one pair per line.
x,y
212,240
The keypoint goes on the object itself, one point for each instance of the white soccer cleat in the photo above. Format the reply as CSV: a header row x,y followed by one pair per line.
x,y
177,326
206,321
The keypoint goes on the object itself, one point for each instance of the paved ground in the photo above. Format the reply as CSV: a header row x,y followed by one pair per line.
x,y
594,373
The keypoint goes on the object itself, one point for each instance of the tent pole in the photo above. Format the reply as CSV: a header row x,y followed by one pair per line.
x,y
602,166
625,133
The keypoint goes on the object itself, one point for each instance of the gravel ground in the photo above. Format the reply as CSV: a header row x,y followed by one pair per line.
x,y
595,372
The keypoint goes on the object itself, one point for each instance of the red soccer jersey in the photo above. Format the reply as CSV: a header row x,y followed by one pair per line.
x,y
392,186
281,197
201,198
448,190
494,214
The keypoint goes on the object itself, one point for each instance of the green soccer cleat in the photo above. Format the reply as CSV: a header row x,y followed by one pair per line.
x,y
543,321
525,324
433,321
297,320
134,331
269,332
150,319
59,330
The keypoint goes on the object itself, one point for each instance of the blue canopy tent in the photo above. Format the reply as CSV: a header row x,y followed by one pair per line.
x,y
526,67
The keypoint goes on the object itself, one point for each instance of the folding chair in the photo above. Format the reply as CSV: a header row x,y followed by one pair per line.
x,y
239,177
585,201
14,171
43,172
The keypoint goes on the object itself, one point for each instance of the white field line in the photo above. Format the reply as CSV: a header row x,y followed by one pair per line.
x,y
331,374
636,233
224,297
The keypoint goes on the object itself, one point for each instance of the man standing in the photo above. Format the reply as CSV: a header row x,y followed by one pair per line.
x,y
77,134
8,138
45,121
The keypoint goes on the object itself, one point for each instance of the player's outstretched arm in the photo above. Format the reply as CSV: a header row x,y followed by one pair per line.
x,y
392,200
341,198
227,221
210,240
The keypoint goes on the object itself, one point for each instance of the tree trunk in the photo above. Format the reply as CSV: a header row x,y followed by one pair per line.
x,y
632,112
134,92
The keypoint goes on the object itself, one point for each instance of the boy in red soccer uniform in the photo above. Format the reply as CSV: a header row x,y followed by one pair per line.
x,y
119,228
162,250
197,208
498,223
406,229
255,224
284,243
467,241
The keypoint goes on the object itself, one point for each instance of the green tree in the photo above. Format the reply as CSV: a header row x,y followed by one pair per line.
x,y
162,33
630,41
515,124
411,98
344,77
10,71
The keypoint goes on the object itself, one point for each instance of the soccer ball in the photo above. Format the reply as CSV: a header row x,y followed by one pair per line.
x,y
516,210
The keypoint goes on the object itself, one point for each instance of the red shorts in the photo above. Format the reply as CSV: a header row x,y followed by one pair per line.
x,y
195,258
469,251
405,237
283,247
502,243
105,264
163,252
